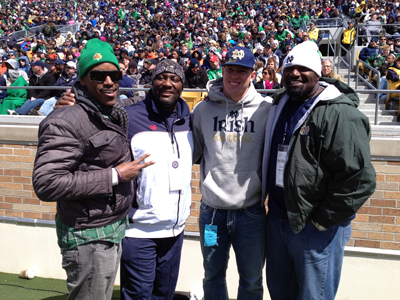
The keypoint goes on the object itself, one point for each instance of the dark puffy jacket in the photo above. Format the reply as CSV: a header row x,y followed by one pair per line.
x,y
46,79
77,149
198,80
368,52
64,81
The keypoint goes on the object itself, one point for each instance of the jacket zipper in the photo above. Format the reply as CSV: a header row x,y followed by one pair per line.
x,y
173,140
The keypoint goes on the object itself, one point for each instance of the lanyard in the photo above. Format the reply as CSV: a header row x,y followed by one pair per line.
x,y
298,111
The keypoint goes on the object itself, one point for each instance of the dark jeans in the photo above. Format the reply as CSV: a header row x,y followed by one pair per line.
x,y
150,267
28,105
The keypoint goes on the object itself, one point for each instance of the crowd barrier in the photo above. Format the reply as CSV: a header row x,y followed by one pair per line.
x,y
193,96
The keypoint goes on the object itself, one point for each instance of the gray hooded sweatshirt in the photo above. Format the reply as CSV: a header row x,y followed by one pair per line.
x,y
230,136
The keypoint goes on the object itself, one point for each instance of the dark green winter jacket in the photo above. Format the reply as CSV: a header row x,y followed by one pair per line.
x,y
328,173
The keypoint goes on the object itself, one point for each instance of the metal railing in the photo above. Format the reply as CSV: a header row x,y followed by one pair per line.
x,y
343,60
361,28
374,71
323,23
21,34
373,89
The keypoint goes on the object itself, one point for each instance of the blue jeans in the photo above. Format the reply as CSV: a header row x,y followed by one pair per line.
x,y
150,267
306,265
244,229
28,105
48,106
383,86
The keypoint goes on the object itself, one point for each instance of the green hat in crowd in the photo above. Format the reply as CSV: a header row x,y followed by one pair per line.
x,y
95,52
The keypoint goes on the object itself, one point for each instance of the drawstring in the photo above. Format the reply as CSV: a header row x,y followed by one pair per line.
x,y
321,138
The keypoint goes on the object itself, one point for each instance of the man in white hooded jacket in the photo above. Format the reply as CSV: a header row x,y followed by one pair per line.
x,y
228,133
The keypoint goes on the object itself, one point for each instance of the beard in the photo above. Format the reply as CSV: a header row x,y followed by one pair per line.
x,y
295,92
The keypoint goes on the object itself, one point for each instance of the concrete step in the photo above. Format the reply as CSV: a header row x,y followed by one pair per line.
x,y
384,120
383,113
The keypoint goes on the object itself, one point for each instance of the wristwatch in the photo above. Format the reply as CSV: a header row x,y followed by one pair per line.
x,y
318,226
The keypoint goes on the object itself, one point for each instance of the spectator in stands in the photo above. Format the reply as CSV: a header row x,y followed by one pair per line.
x,y
378,59
396,46
126,82
327,70
195,76
348,37
215,71
59,39
12,55
372,27
36,97
15,98
23,64
314,33
269,81
371,50
275,49
3,67
59,68
148,66
272,64
175,55
13,71
382,41
267,54
68,79
393,76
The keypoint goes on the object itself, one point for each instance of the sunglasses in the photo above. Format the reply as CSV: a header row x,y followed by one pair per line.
x,y
265,73
101,76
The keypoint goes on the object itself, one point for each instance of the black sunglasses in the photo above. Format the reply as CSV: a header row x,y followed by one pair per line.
x,y
101,76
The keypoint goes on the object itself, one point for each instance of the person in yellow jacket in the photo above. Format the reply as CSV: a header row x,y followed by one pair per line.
x,y
348,37
315,34
359,9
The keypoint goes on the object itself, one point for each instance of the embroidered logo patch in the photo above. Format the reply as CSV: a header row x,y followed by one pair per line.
x,y
290,59
153,127
97,56
175,164
304,130
238,54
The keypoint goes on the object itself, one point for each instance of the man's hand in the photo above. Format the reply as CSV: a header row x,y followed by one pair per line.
x,y
129,170
67,98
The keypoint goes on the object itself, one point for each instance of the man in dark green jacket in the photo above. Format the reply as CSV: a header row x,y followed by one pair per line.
x,y
317,172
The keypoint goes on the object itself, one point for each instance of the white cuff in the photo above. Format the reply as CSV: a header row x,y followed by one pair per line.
x,y
115,180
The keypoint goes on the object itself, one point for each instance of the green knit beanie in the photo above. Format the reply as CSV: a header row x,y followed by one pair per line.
x,y
94,53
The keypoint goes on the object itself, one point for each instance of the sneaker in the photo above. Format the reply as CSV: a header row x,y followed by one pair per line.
x,y
12,112
34,112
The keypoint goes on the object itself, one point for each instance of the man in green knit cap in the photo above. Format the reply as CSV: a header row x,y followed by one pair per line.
x,y
83,163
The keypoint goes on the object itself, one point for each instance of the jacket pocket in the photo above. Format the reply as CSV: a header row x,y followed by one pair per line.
x,y
102,138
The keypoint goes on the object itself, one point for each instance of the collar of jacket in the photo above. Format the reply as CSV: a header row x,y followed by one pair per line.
x,y
182,109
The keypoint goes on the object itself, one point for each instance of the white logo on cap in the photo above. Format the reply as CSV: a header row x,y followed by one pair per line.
x,y
238,54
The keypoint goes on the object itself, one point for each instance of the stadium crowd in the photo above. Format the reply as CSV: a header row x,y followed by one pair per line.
x,y
196,34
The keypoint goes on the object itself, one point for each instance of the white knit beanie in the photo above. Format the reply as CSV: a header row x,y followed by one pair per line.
x,y
306,55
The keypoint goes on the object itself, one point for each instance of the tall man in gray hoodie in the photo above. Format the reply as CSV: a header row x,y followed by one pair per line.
x,y
229,132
